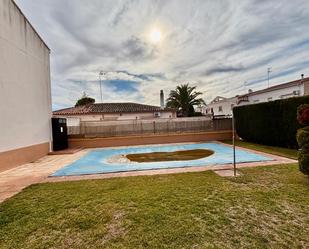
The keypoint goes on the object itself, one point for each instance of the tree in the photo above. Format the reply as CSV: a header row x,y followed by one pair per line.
x,y
184,98
84,100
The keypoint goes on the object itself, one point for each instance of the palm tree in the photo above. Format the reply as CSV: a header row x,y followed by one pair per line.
x,y
184,98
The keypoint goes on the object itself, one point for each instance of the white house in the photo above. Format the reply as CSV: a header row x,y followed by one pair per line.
x,y
25,95
286,90
220,106
113,112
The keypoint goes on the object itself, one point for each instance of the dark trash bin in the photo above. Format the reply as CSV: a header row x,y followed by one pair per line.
x,y
60,134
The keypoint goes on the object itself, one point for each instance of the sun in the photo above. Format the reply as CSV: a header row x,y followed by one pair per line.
x,y
155,36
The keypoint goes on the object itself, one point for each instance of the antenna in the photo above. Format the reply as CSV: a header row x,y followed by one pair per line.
x,y
268,73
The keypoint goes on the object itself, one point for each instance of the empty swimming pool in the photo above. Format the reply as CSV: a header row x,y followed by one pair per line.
x,y
111,160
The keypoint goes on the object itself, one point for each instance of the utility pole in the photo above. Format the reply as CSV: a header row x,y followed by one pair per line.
x,y
268,73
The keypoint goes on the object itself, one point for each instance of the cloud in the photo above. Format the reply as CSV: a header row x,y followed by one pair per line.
x,y
224,69
135,49
215,45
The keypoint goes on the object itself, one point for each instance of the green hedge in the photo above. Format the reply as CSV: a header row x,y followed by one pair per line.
x,y
271,123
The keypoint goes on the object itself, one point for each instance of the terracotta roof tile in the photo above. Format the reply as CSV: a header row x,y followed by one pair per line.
x,y
110,108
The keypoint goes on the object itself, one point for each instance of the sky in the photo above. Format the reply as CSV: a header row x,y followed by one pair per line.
x,y
222,47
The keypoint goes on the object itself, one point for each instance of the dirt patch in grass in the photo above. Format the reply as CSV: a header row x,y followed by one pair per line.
x,y
115,227
182,155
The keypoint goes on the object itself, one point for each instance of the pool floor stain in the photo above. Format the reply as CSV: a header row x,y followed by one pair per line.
x,y
180,155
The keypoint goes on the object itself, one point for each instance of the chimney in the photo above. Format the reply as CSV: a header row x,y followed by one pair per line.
x,y
302,76
162,99
250,91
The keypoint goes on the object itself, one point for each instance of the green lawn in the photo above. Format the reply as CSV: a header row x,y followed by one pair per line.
x,y
290,153
267,207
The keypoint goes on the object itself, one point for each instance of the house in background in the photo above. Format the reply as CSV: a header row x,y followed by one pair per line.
x,y
283,91
219,107
25,95
222,107
114,112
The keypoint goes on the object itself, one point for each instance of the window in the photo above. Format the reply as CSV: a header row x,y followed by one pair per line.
x,y
296,92
220,108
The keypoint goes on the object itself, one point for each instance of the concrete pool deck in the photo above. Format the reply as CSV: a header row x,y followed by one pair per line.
x,y
15,180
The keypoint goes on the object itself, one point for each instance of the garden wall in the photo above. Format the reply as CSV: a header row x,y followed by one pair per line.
x,y
271,123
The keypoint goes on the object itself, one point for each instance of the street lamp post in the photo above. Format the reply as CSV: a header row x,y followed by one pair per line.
x,y
101,74
234,151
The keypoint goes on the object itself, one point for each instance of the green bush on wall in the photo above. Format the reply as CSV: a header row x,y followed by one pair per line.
x,y
271,123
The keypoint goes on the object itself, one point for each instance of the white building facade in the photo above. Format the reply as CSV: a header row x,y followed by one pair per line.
x,y
220,107
74,120
283,91
25,95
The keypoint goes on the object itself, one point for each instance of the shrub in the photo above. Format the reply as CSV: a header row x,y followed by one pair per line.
x,y
303,114
303,161
271,123
303,138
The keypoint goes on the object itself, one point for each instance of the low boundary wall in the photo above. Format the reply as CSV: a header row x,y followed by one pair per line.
x,y
150,139
14,158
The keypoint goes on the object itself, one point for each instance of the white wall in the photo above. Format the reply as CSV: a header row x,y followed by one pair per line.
x,y
74,120
146,115
147,121
274,95
226,106
25,98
